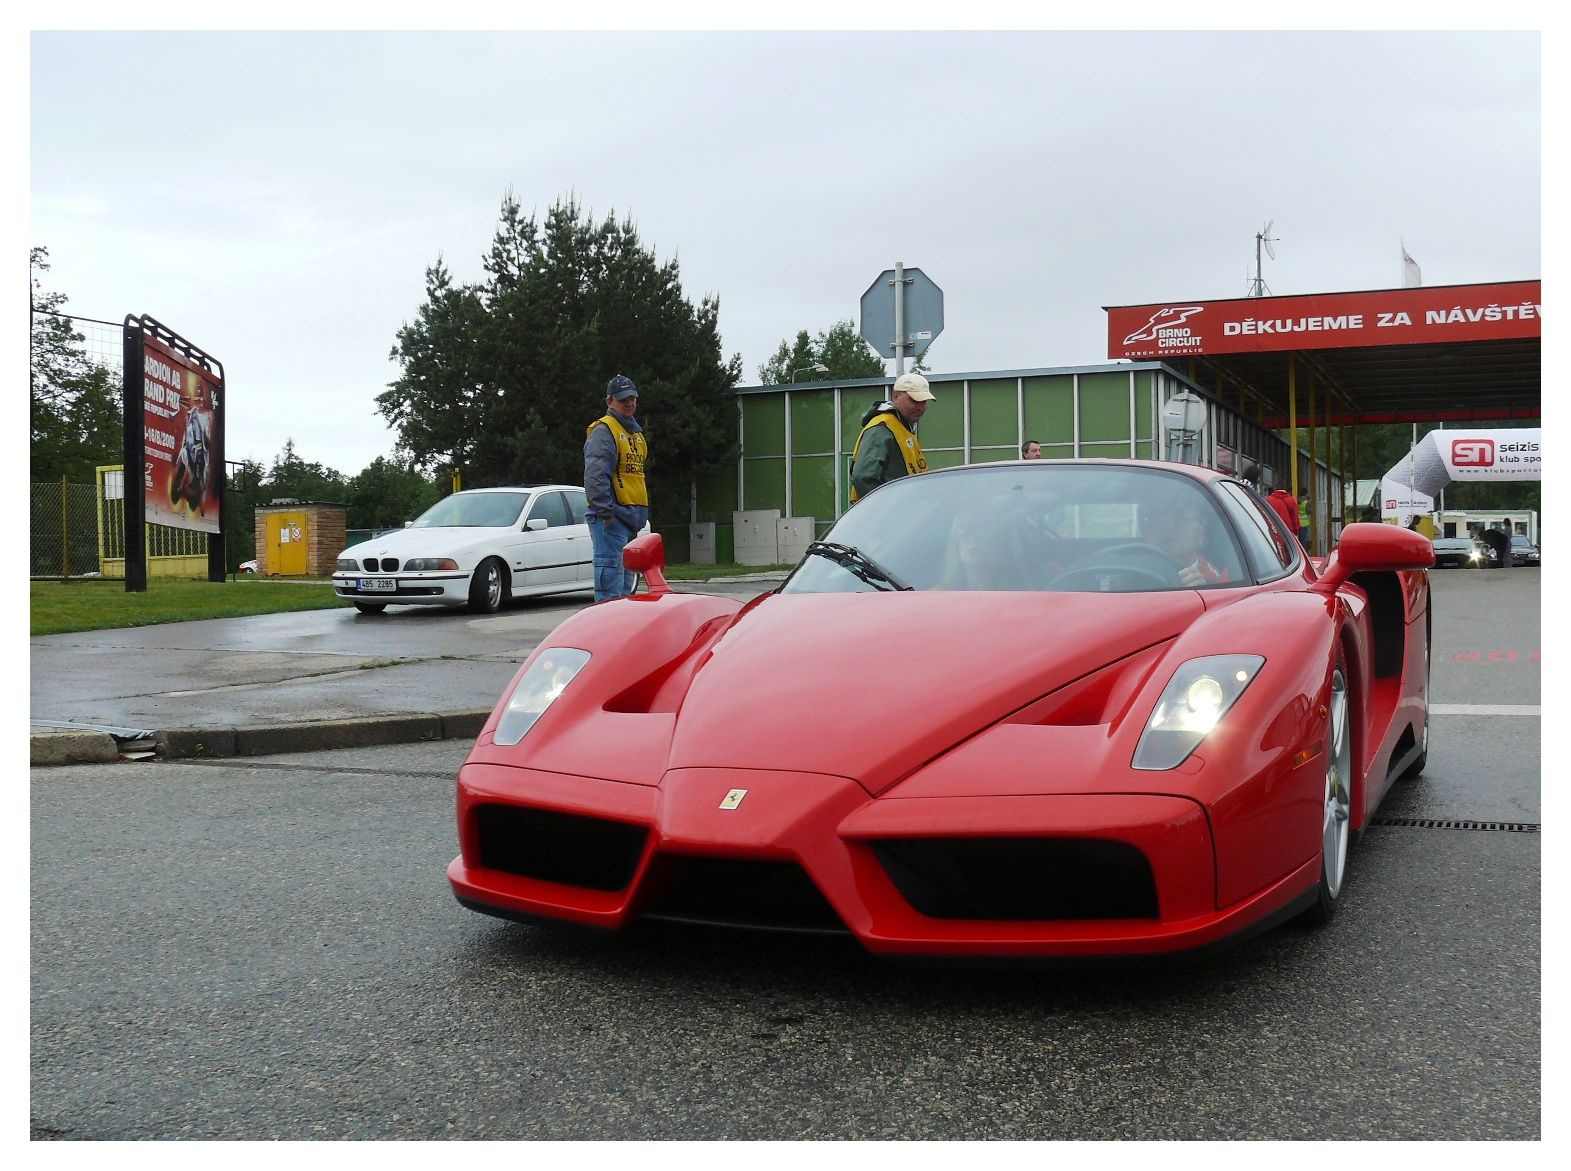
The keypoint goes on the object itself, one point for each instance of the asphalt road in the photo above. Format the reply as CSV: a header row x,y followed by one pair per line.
x,y
268,949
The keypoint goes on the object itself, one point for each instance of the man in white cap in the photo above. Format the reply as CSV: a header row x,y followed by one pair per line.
x,y
888,447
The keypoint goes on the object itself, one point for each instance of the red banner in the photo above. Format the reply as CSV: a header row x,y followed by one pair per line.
x,y
1392,317
180,431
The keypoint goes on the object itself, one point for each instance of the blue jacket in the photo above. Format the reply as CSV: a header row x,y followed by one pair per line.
x,y
599,462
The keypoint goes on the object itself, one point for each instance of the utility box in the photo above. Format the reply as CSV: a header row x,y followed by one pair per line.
x,y
299,538
756,536
793,534
701,543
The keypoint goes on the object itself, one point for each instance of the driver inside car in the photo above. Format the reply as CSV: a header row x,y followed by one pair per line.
x,y
1178,528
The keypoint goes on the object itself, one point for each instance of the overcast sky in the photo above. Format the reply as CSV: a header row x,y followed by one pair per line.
x,y
276,197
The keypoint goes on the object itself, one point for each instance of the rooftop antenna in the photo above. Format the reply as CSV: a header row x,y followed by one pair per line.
x,y
1263,240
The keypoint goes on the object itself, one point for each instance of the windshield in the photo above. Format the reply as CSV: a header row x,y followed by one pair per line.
x,y
473,510
1030,527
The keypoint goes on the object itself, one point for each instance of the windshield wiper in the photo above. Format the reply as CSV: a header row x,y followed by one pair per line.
x,y
860,564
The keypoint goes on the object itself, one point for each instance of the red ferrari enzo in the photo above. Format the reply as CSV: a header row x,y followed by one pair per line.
x,y
1056,708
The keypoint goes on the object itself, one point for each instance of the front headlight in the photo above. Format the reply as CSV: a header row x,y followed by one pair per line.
x,y
348,565
537,690
1194,701
420,564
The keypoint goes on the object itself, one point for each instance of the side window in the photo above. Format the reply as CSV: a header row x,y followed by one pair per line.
x,y
552,507
1265,541
577,506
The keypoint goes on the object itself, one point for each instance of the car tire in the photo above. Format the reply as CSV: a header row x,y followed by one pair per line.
x,y
488,587
1335,838
370,607
1414,770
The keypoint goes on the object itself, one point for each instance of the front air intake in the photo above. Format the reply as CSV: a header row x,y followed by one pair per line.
x,y
1030,879
559,847
773,896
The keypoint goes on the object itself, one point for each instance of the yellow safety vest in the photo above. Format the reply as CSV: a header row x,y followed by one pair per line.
x,y
632,449
910,445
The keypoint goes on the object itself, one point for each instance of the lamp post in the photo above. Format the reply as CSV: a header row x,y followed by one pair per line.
x,y
816,368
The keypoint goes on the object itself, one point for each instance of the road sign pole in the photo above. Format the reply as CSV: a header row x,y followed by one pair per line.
x,y
900,318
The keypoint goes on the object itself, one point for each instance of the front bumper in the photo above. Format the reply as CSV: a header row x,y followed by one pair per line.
x,y
1073,876
413,589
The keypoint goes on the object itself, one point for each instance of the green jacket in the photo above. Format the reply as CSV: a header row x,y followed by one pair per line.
x,y
878,459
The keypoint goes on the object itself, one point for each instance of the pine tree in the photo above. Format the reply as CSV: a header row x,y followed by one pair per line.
x,y
503,377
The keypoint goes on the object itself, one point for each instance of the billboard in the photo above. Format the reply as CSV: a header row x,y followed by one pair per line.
x,y
182,434
1390,317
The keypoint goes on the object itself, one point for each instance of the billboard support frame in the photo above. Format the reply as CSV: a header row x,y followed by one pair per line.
x,y
134,334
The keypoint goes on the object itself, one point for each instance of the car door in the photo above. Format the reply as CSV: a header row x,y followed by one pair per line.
x,y
582,557
544,557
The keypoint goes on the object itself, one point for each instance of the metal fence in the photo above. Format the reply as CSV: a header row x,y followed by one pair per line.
x,y
64,532
78,530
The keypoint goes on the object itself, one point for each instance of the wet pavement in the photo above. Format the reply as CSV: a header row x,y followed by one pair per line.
x,y
98,693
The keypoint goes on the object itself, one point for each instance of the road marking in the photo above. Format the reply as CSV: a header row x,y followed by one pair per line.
x,y
1483,709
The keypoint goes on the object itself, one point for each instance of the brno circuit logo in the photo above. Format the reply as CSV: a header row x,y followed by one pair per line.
x,y
1473,453
1170,318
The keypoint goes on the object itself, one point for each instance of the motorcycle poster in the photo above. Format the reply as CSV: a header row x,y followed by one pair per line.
x,y
181,432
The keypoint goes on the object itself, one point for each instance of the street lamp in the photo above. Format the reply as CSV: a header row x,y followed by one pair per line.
x,y
816,368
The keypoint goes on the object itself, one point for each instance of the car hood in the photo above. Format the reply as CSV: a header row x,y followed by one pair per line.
x,y
873,685
432,542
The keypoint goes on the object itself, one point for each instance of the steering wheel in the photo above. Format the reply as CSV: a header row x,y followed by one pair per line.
x,y
1135,560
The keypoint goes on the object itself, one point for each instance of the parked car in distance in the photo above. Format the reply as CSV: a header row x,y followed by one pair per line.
x,y
246,567
1463,552
1523,551
474,549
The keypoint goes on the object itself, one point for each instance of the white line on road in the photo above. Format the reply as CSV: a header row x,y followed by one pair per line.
x,y
1483,709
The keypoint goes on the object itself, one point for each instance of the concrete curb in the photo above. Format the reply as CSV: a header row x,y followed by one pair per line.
x,y
65,747
55,747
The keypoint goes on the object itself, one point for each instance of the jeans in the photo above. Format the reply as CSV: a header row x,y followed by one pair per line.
x,y
608,537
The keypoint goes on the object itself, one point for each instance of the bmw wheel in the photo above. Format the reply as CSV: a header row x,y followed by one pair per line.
x,y
1338,803
488,587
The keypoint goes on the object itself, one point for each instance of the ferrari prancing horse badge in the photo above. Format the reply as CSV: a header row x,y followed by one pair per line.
x,y
733,799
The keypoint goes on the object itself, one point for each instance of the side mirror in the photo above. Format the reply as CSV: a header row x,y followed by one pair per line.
x,y
646,555
1366,548
535,523
408,523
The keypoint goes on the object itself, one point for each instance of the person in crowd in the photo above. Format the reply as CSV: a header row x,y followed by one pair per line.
x,y
887,447
1031,449
615,451
1283,504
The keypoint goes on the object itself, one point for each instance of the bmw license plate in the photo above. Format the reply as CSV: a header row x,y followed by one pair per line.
x,y
378,585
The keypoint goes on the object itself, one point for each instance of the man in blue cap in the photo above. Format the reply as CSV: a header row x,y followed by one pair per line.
x,y
615,449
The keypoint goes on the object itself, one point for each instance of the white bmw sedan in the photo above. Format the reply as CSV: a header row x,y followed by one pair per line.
x,y
475,549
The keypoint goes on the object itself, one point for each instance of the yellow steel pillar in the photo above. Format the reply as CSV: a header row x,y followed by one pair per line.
x,y
1292,419
1314,468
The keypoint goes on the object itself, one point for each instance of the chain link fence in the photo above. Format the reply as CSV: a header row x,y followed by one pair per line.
x,y
64,527
78,531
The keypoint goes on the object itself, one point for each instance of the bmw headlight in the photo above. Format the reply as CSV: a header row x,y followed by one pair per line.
x,y
546,678
348,565
1194,701
424,563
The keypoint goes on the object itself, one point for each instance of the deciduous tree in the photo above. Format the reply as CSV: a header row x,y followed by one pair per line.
x,y
840,348
74,413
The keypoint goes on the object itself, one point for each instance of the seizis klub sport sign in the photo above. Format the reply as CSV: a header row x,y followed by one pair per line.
x,y
1391,317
